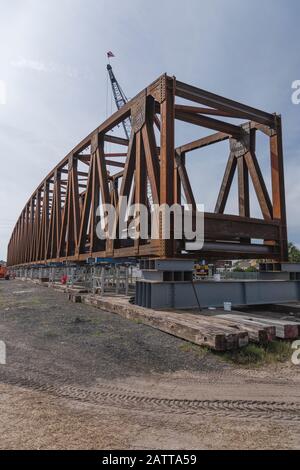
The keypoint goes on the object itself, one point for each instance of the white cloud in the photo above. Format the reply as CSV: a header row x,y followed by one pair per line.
x,y
50,67
2,92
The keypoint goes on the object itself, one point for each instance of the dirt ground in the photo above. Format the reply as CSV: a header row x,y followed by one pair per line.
x,y
80,378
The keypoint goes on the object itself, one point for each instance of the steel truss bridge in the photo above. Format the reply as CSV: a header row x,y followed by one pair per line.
x,y
58,221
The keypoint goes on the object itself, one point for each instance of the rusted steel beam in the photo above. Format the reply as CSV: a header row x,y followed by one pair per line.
x,y
243,187
79,173
59,220
259,185
184,179
243,191
278,186
116,140
167,163
260,127
126,184
114,163
140,180
209,123
157,122
223,104
224,227
226,184
209,111
84,158
203,142
85,212
152,162
114,155
95,195
116,176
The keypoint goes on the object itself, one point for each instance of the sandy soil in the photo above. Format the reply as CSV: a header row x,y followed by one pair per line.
x,y
77,377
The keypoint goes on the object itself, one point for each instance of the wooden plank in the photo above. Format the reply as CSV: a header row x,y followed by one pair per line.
x,y
258,332
186,326
284,329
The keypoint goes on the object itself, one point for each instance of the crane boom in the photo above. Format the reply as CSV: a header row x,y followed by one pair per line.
x,y
120,99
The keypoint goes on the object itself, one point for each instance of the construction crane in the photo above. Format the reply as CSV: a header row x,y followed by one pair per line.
x,y
120,99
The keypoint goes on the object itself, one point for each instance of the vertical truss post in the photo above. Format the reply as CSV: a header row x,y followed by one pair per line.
x,y
70,226
32,215
37,220
140,180
278,189
243,188
43,234
95,196
103,181
167,157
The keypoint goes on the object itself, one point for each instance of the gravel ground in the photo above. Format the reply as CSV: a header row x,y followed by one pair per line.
x,y
75,343
79,377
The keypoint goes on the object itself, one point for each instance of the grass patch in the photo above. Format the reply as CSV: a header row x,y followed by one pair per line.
x,y
253,355
137,321
259,355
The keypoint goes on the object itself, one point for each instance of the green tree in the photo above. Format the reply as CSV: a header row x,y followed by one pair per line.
x,y
238,269
294,253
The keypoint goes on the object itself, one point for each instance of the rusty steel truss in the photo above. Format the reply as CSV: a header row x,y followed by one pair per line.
x,y
58,221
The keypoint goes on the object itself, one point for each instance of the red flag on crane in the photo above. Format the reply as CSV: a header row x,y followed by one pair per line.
x,y
110,54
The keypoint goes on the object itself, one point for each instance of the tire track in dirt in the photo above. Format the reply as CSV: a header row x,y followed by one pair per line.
x,y
131,400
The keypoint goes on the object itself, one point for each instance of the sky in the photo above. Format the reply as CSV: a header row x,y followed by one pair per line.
x,y
53,81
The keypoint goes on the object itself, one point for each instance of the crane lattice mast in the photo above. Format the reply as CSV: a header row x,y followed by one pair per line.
x,y
120,99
